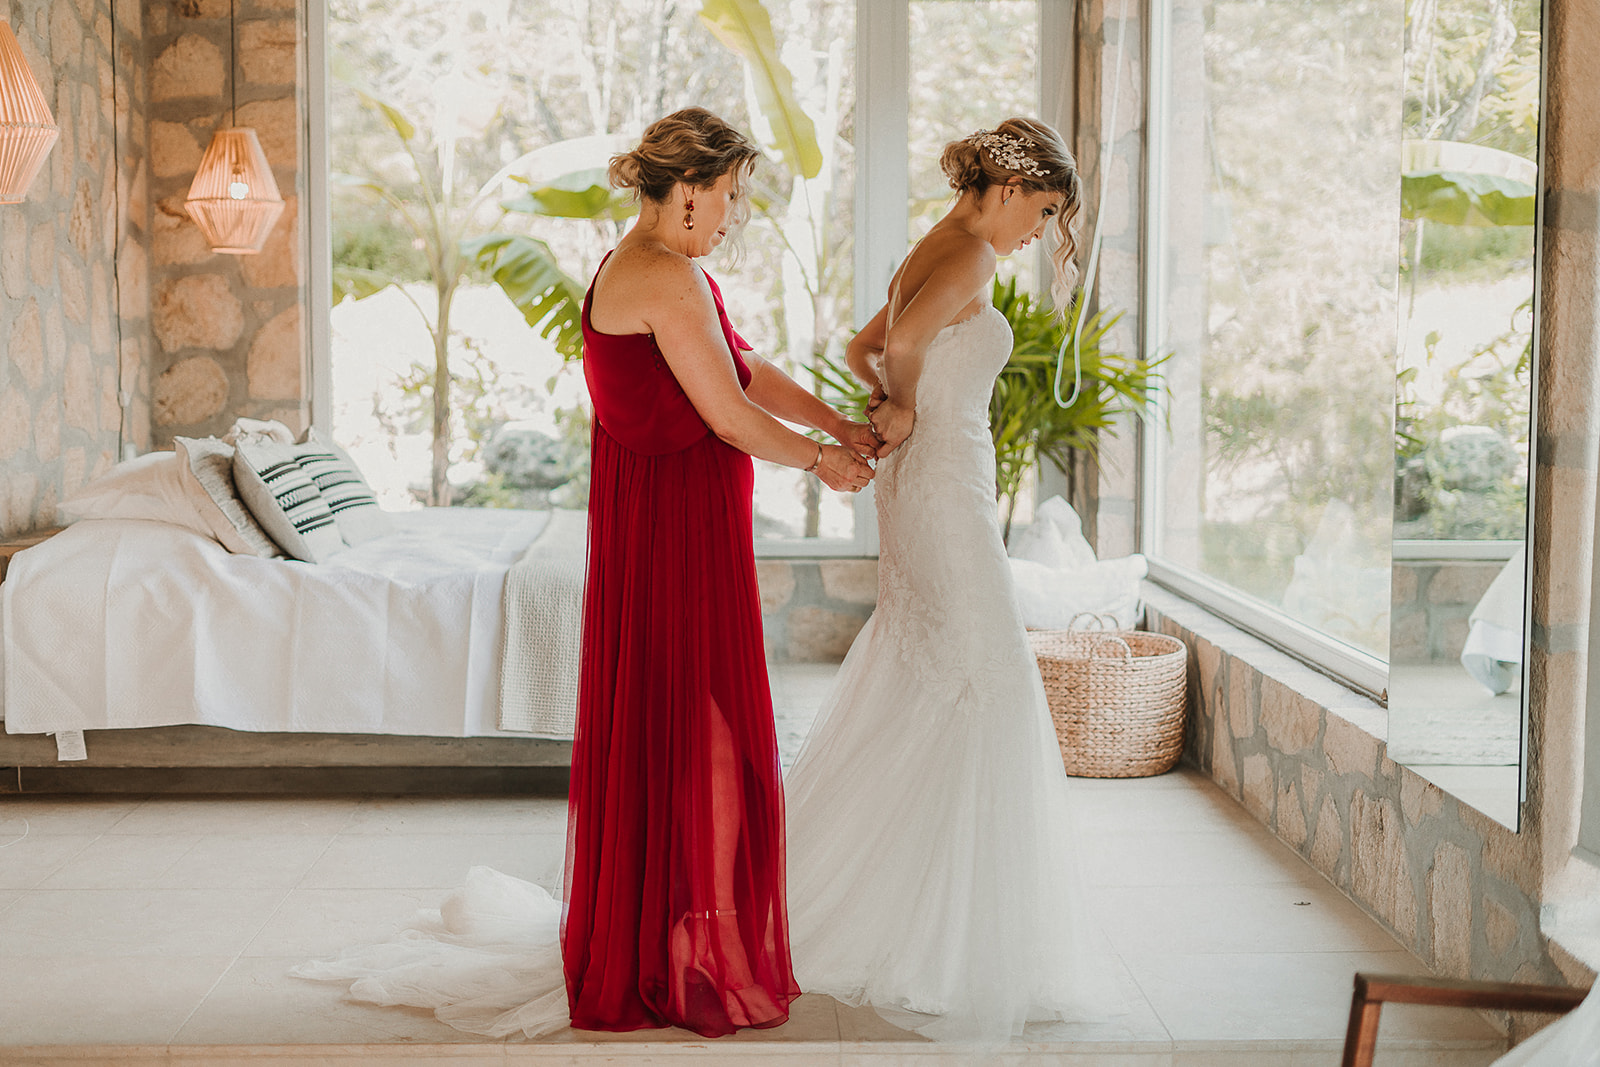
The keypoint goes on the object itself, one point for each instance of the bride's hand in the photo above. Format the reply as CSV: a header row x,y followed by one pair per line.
x,y
893,425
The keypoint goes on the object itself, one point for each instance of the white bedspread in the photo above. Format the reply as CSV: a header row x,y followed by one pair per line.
x,y
121,623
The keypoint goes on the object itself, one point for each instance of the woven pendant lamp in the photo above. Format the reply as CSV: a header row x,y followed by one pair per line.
x,y
27,129
234,199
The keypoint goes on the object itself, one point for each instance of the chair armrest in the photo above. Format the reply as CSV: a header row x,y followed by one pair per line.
x,y
1467,993
1372,991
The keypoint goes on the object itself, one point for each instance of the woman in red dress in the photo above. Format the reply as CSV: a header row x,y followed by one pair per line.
x,y
675,908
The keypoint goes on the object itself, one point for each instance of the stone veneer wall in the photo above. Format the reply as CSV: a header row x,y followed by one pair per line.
x,y
60,417
812,609
228,339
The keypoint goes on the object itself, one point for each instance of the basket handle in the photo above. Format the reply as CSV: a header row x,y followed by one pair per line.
x,y
1110,639
1100,621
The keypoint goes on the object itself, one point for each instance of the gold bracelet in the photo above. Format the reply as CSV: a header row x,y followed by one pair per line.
x,y
816,462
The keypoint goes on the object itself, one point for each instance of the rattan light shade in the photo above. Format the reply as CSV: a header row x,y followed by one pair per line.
x,y
27,129
234,200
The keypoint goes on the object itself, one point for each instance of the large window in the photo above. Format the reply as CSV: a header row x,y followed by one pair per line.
x,y
451,123
1275,195
478,121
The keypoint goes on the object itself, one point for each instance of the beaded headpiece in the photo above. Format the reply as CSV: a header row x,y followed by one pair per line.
x,y
1008,150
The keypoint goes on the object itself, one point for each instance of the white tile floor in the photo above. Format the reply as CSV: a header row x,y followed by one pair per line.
x,y
154,930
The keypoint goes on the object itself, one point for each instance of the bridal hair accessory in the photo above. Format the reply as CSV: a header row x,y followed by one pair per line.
x,y
1008,150
688,214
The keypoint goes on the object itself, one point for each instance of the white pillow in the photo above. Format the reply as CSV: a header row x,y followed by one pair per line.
x,y
284,500
354,505
148,487
205,465
270,430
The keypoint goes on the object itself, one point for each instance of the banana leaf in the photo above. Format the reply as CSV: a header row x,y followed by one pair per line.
x,y
1463,184
583,194
745,27
401,125
526,270
358,283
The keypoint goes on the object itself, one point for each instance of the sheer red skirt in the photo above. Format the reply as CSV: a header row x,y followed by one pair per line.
x,y
675,853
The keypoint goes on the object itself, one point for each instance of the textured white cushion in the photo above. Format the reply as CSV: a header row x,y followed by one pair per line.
x,y
354,506
284,500
270,430
146,487
206,467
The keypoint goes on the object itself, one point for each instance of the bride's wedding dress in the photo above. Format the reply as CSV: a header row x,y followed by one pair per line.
x,y
931,862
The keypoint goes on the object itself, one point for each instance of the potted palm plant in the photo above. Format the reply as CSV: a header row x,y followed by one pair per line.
x,y
1026,422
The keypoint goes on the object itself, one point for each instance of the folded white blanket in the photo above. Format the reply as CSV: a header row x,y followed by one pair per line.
x,y
543,628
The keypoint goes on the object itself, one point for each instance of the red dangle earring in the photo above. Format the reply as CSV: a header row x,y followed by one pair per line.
x,y
688,214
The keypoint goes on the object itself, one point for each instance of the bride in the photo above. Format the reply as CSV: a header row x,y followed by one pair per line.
x,y
930,865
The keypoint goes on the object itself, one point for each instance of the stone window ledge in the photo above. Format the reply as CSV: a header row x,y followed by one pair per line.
x,y
1354,707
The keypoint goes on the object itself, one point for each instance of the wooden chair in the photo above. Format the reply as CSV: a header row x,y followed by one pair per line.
x,y
1374,990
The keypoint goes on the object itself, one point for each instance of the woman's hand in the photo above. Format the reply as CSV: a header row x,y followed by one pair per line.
x,y
893,425
858,437
842,470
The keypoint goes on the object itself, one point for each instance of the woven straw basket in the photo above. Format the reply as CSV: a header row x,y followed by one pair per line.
x,y
1117,699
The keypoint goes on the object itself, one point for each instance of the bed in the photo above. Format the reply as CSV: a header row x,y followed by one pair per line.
x,y
450,623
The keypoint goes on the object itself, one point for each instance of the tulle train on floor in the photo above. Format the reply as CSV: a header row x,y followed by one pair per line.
x,y
488,961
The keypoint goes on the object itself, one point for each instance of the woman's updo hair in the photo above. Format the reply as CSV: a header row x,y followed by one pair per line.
x,y
1033,154
692,146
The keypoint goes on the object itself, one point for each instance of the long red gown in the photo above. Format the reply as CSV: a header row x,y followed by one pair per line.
x,y
675,910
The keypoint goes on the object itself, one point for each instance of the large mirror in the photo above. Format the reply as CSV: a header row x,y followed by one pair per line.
x,y
1464,396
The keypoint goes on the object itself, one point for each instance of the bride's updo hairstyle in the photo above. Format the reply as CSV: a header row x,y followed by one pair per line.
x,y
1032,153
691,146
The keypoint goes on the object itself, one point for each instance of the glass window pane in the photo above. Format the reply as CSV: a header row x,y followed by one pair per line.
x,y
974,63
1279,275
1466,300
478,83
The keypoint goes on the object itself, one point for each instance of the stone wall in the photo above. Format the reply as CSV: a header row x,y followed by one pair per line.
x,y
812,609
227,330
60,419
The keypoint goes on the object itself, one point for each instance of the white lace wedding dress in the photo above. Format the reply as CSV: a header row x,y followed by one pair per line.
x,y
931,863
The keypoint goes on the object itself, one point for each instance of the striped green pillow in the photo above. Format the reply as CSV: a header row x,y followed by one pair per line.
x,y
284,500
